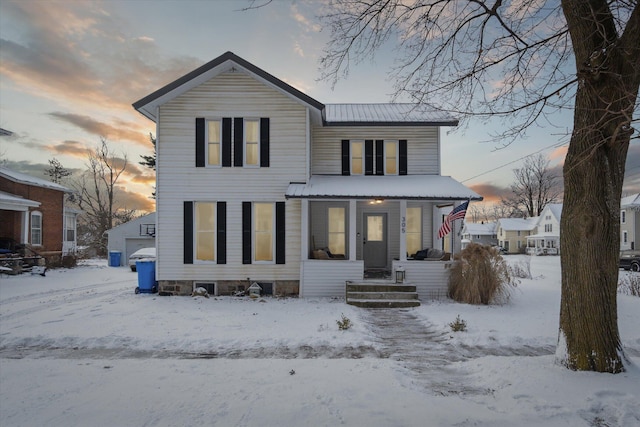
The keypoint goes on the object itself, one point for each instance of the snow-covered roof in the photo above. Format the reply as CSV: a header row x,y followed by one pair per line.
x,y
11,202
23,178
143,219
386,114
421,187
632,201
514,224
556,210
543,236
480,229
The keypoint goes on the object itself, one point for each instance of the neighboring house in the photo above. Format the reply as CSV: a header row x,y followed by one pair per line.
x,y
512,233
133,235
545,239
483,233
33,212
630,222
254,177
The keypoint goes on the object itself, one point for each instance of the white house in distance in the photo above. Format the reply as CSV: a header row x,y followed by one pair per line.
x,y
482,233
546,239
630,222
258,182
512,233
133,235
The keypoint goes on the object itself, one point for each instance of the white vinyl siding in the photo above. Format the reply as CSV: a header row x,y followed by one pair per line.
x,y
423,154
178,180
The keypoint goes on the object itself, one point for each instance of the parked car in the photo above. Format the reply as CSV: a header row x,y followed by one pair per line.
x,y
141,254
630,261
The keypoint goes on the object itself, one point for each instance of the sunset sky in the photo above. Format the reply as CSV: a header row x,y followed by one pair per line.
x,y
70,70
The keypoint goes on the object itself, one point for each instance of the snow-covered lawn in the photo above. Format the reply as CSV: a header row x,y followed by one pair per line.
x,y
79,348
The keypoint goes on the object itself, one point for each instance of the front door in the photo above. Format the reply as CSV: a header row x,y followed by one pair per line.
x,y
375,240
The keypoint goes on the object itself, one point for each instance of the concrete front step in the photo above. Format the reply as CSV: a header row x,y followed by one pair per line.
x,y
381,294
379,303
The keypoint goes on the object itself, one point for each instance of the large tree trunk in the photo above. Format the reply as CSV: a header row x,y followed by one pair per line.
x,y
593,178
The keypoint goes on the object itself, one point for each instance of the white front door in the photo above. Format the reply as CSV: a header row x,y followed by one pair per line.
x,y
375,240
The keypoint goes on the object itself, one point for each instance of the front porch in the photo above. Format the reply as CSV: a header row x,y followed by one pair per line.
x,y
543,244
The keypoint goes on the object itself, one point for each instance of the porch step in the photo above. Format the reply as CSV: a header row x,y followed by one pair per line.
x,y
381,294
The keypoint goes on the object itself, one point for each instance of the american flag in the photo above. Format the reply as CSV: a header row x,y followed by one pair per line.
x,y
457,213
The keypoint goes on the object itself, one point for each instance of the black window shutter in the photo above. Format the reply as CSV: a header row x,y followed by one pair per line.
x,y
346,158
188,232
379,157
238,141
368,157
246,232
221,232
280,233
264,142
200,144
226,142
402,157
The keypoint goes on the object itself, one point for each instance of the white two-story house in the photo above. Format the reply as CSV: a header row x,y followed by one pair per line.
x,y
545,239
630,222
258,182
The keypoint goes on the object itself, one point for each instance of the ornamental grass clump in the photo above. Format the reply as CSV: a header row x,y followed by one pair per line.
x,y
480,276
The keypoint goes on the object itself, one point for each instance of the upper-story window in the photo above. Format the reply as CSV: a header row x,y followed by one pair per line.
x,y
252,142
357,157
391,157
214,142
36,228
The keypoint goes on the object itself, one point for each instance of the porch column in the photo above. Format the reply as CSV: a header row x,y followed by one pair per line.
x,y
24,235
403,230
304,229
353,229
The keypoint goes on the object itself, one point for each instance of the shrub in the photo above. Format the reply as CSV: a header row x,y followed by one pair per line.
x,y
458,325
629,285
480,276
522,269
344,323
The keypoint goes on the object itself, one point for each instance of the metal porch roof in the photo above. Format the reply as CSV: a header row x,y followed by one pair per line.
x,y
409,187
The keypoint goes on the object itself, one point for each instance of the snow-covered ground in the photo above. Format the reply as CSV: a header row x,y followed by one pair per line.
x,y
79,348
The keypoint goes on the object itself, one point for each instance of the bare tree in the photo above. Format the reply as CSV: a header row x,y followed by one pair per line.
x,y
535,186
523,62
97,195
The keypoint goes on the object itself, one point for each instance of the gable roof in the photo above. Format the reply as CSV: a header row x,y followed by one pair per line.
x,y
225,62
556,210
518,224
487,229
390,114
632,201
23,178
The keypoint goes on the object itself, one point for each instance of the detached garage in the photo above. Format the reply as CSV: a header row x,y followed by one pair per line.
x,y
133,235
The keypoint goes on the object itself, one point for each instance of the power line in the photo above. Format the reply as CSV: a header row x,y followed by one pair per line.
x,y
557,144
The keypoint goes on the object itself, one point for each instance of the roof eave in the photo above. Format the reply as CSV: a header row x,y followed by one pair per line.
x,y
382,123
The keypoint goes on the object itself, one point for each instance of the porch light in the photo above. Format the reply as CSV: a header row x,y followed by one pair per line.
x,y
400,274
376,201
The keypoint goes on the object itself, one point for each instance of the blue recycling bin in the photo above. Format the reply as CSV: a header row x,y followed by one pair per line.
x,y
146,277
114,258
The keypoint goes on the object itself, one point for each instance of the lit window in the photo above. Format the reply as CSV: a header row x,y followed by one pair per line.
x,y
263,231
36,228
414,230
391,158
357,158
337,233
205,231
251,141
214,146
